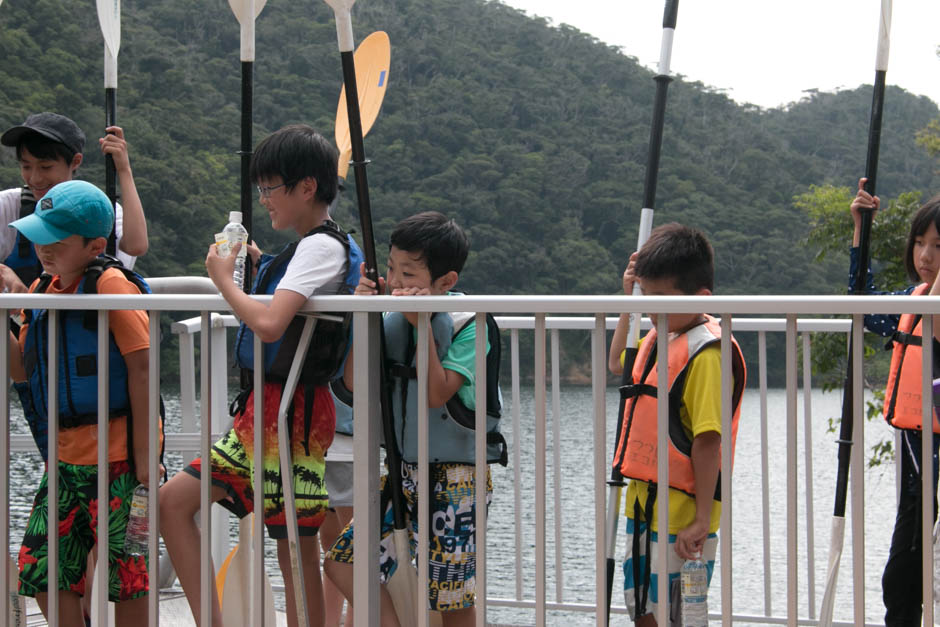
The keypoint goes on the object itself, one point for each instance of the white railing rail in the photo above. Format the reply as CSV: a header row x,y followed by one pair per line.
x,y
547,314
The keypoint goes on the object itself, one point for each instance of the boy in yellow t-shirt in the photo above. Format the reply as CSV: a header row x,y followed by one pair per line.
x,y
676,260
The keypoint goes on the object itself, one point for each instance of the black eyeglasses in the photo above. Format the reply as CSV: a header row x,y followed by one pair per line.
x,y
265,192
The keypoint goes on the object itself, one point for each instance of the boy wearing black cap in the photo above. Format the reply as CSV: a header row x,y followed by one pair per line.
x,y
69,228
49,150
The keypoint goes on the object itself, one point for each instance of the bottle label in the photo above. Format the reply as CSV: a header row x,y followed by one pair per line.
x,y
222,246
139,506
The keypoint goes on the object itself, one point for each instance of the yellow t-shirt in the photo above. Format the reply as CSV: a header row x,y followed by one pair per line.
x,y
700,412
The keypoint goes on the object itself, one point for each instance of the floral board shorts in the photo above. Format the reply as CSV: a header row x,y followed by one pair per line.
x,y
233,465
673,566
452,543
78,533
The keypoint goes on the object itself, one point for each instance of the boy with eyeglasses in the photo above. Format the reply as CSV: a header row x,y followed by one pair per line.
x,y
296,175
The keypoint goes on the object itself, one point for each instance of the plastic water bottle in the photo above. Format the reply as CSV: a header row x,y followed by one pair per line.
x,y
234,233
136,536
694,580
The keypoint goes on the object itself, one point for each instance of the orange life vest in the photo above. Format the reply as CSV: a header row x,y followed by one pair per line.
x,y
903,398
636,454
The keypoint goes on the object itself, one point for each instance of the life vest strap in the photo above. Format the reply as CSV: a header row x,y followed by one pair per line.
x,y
632,390
907,339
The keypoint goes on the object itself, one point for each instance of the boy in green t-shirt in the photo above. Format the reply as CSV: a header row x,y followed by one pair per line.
x,y
426,254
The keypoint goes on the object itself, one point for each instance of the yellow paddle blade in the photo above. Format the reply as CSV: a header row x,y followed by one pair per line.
x,y
372,59
223,572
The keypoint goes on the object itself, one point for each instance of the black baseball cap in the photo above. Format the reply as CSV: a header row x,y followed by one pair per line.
x,y
53,126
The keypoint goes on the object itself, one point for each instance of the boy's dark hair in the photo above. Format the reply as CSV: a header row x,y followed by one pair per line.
x,y
925,216
294,153
441,242
681,253
44,148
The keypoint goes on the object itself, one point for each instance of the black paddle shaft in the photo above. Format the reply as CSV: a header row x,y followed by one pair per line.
x,y
368,241
110,175
245,153
859,287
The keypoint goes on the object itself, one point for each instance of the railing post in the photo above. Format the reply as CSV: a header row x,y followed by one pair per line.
x,y
928,484
598,389
366,428
540,443
792,539
220,418
857,473
556,468
764,467
727,450
808,474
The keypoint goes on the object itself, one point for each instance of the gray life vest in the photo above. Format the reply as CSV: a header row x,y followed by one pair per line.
x,y
449,441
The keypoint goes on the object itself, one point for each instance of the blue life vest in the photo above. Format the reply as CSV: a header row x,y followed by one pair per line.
x,y
342,402
451,427
330,342
22,259
78,363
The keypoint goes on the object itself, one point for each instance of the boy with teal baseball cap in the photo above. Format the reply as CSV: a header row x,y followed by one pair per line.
x,y
70,227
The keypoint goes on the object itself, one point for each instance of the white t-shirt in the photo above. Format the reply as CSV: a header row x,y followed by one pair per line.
x,y
316,267
10,211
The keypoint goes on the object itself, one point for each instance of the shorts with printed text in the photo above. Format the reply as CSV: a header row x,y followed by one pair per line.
x,y
452,542
233,467
78,533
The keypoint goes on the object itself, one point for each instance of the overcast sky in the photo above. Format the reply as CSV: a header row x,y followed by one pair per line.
x,y
767,52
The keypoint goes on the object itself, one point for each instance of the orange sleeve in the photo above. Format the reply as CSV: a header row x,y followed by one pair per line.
x,y
130,327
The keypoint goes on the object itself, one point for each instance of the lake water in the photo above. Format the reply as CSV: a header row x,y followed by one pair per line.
x,y
577,506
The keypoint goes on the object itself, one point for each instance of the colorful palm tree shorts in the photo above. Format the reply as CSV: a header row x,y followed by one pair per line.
x,y
233,467
78,522
452,543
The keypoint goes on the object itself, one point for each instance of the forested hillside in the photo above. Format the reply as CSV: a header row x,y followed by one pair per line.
x,y
532,136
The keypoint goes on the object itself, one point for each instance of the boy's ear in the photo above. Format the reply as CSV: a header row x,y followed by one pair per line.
x,y
308,187
97,245
703,291
76,161
447,281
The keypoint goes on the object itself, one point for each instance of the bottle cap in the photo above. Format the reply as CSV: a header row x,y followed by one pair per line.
x,y
235,216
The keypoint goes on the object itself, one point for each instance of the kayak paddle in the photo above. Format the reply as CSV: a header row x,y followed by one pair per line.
x,y
848,393
662,79
109,19
246,11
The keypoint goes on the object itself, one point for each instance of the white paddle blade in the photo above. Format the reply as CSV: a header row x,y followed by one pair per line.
x,y
402,586
236,593
837,537
241,9
17,614
109,18
884,37
344,32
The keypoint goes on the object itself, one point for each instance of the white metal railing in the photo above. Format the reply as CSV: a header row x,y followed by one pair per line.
x,y
547,314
